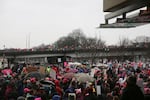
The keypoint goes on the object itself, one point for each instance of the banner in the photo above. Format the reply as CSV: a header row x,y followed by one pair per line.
x,y
53,74
42,70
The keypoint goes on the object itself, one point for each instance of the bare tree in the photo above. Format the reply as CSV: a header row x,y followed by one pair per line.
x,y
124,42
72,41
78,41
141,41
93,45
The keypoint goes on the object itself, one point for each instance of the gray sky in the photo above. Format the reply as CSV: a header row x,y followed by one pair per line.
x,y
45,21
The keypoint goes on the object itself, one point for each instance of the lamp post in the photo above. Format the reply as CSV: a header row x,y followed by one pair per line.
x,y
3,62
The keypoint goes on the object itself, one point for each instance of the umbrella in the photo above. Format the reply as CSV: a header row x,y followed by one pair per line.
x,y
101,65
46,83
48,86
35,74
73,70
68,75
83,77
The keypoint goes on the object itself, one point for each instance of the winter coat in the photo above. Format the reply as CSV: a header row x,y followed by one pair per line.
x,y
132,92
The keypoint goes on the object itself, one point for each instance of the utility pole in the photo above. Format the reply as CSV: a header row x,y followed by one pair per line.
x,y
3,63
29,41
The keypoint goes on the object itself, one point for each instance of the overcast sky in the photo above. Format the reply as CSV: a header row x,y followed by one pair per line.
x,y
45,21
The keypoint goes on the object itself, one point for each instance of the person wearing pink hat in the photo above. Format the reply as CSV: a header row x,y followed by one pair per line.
x,y
39,98
58,88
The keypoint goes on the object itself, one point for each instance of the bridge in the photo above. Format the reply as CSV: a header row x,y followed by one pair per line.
x,y
116,8
56,56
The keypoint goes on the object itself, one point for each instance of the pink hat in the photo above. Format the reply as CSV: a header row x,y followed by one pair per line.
x,y
26,90
33,80
38,98
65,80
78,91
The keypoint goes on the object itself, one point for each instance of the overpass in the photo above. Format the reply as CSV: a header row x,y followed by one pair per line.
x,y
117,8
74,54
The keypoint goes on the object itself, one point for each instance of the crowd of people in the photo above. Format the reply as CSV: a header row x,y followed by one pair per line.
x,y
117,81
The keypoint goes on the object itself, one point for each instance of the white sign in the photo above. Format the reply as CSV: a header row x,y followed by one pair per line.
x,y
59,59
98,89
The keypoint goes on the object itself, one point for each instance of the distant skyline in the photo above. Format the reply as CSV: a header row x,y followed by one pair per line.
x,y
45,21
